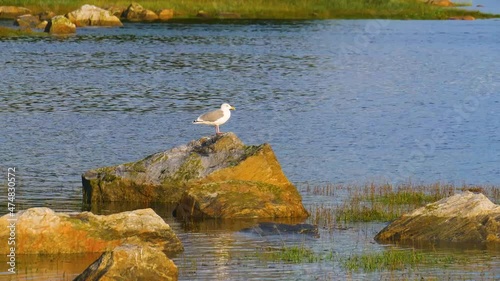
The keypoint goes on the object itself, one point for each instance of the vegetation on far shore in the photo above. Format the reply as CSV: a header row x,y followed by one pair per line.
x,y
272,9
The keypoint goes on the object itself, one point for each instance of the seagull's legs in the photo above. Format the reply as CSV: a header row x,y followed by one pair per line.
x,y
217,131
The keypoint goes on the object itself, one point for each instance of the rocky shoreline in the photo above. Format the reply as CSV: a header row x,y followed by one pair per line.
x,y
90,15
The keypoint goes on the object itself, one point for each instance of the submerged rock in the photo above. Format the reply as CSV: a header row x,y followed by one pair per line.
x,y
217,176
461,218
271,228
42,231
60,25
89,15
11,12
131,262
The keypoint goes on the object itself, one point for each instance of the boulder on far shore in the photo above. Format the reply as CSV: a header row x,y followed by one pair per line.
x,y
131,262
60,25
465,218
136,12
12,12
43,231
441,3
215,176
27,21
89,15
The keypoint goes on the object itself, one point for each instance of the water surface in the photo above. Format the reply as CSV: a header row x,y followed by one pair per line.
x,y
339,101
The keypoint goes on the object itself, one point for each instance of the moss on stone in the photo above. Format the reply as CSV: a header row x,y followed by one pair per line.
x,y
189,170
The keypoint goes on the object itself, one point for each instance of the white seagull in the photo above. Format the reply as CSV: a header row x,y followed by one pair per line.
x,y
216,117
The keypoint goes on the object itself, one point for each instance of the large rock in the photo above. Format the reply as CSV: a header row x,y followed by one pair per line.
x,y
217,176
131,262
60,25
136,12
461,218
89,15
11,12
42,231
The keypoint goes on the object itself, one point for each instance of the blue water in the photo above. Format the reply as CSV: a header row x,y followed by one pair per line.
x,y
340,101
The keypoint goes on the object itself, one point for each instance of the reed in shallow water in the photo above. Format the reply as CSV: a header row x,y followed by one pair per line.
x,y
273,9
383,202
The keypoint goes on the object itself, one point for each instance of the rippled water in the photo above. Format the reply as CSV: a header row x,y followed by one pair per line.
x,y
339,101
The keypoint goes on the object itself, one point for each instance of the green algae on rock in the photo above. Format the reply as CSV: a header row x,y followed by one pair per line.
x,y
219,164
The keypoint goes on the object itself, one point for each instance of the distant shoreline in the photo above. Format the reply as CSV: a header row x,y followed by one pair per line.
x,y
192,10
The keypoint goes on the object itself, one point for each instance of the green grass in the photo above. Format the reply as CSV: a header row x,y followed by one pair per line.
x,y
273,9
11,32
383,202
290,254
396,260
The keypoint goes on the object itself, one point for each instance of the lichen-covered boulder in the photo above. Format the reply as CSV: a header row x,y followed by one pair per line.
x,y
27,21
131,262
43,231
461,218
209,177
11,12
462,18
165,14
89,15
60,25
136,12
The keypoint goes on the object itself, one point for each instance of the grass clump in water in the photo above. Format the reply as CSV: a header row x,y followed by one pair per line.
x,y
12,32
396,260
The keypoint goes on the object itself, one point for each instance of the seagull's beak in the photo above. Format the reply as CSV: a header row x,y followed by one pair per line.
x,y
232,108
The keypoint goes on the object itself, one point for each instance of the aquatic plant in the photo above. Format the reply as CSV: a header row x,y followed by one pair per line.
x,y
396,259
11,32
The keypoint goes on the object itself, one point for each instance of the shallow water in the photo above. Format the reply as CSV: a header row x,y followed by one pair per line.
x,y
340,101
